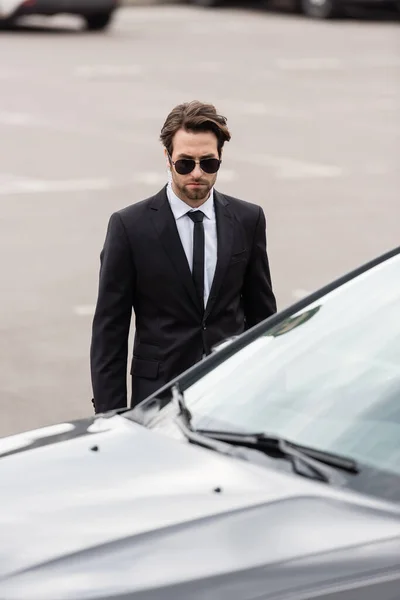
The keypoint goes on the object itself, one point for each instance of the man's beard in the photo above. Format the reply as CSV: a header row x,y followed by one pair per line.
x,y
199,193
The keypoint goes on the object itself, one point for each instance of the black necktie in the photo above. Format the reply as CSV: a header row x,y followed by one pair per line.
x,y
197,217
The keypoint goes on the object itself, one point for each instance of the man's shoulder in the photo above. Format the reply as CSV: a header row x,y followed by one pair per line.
x,y
242,207
138,209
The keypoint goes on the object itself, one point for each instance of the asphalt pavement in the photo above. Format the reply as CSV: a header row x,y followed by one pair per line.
x,y
314,109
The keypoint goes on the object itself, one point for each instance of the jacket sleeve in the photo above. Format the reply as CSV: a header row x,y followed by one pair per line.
x,y
112,319
258,296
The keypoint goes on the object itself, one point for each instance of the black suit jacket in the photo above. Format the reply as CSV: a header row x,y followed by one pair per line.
x,y
143,266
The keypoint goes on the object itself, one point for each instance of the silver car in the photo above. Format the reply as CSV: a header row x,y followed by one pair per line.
x,y
268,471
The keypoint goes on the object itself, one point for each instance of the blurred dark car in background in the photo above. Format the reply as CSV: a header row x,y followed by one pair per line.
x,y
317,9
97,14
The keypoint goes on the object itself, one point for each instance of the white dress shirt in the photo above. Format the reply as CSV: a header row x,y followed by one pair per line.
x,y
185,228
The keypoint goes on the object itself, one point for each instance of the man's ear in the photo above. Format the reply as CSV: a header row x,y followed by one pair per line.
x,y
167,158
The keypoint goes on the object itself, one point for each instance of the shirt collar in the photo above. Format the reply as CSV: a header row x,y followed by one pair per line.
x,y
180,208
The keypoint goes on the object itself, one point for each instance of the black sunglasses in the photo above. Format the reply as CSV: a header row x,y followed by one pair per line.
x,y
184,166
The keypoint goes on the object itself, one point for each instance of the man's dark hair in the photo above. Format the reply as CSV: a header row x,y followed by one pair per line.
x,y
194,116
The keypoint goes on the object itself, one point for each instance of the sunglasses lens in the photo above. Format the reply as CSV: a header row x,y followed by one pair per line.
x,y
184,166
210,165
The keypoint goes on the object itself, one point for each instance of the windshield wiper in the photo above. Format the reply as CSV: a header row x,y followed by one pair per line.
x,y
301,457
179,398
278,447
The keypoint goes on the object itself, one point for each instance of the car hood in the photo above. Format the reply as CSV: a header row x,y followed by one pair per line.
x,y
97,508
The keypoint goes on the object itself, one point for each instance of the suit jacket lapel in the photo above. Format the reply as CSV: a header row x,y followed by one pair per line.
x,y
165,225
225,241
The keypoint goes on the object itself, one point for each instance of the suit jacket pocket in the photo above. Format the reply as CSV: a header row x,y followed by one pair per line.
x,y
238,257
148,369
146,351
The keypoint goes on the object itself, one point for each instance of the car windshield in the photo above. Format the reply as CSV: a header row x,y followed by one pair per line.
x,y
327,377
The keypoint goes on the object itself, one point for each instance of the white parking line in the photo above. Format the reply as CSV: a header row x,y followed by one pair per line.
x,y
261,109
150,178
308,64
84,310
110,71
289,168
281,167
17,119
18,185
12,185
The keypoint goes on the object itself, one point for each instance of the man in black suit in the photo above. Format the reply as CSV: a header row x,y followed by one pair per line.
x,y
190,261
